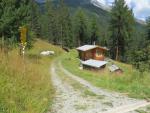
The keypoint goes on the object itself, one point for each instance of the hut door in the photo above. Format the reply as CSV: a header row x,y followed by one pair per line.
x,y
99,55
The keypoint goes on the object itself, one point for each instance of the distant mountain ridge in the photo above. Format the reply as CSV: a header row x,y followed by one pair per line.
x,y
95,7
102,13
96,3
99,4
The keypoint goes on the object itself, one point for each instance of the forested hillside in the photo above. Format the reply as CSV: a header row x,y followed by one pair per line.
x,y
70,24
102,17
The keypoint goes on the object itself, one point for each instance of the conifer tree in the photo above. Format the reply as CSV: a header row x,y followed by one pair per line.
x,y
44,26
50,22
34,15
94,31
148,29
13,14
141,58
80,27
121,26
65,25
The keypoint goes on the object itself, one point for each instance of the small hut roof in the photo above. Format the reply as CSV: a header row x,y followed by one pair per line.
x,y
113,68
94,63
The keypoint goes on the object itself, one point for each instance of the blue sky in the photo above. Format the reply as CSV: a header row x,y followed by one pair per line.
x,y
141,8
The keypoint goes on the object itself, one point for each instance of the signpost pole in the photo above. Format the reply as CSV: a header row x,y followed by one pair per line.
x,y
23,43
23,39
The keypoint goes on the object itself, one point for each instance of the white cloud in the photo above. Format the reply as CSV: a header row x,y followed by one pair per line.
x,y
102,1
141,8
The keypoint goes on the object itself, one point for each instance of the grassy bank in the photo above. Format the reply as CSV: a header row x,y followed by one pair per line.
x,y
131,82
25,85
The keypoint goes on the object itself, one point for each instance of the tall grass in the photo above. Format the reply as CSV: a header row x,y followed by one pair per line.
x,y
131,82
25,85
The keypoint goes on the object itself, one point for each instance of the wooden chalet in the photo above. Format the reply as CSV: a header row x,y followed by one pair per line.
x,y
92,56
95,52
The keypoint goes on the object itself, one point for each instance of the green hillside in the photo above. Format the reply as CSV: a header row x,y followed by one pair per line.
x,y
130,82
25,84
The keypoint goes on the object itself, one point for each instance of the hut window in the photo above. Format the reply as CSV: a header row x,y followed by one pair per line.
x,y
98,53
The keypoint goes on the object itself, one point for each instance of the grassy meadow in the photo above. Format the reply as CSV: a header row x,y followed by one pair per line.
x,y
131,82
25,85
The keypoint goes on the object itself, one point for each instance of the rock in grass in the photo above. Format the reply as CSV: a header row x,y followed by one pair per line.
x,y
47,53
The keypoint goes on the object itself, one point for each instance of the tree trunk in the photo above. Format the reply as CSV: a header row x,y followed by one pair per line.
x,y
118,40
117,53
2,43
79,42
61,36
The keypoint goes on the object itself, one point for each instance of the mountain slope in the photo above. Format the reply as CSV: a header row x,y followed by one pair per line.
x,y
101,4
102,12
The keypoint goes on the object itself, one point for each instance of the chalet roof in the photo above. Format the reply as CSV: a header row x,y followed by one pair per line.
x,y
94,63
89,47
86,47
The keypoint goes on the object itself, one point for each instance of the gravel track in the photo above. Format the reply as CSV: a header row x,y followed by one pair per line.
x,y
69,100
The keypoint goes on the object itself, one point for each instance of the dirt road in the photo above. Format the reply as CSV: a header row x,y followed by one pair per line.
x,y
75,95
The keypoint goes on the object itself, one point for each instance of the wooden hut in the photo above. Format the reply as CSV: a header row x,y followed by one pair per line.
x,y
95,52
92,56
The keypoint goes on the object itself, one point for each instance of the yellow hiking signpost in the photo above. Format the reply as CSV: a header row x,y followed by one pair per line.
x,y
23,34
23,39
